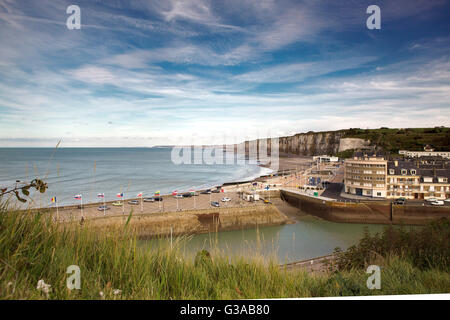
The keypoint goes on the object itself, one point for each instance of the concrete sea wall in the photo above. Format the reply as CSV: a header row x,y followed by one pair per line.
x,y
194,221
376,212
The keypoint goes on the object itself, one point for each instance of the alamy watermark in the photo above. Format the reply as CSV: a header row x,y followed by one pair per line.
x,y
74,280
74,20
263,152
374,280
374,20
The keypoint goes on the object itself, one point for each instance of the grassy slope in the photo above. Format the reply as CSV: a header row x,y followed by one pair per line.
x,y
32,249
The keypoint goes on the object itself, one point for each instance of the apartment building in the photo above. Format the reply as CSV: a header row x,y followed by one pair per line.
x,y
415,180
365,175
374,176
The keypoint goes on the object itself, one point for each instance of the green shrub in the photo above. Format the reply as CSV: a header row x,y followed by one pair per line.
x,y
426,247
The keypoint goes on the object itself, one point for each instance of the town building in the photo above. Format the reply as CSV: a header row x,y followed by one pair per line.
x,y
415,180
325,159
428,152
374,176
365,175
250,196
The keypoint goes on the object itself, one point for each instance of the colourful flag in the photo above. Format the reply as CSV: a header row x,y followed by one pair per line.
x,y
139,195
120,195
78,197
192,191
101,195
174,193
54,200
157,193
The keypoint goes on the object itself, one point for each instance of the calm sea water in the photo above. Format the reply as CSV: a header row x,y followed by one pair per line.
x,y
308,238
89,171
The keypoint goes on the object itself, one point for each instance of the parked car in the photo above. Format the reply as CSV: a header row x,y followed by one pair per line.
x,y
178,196
437,203
447,200
399,201
133,202
158,198
103,208
149,200
267,202
216,191
187,195
226,199
215,204
117,203
402,199
207,191
432,199
80,206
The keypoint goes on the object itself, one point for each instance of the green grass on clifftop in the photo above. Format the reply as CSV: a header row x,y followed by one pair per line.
x,y
414,139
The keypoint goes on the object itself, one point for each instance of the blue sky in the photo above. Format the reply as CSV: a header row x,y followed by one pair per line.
x,y
143,73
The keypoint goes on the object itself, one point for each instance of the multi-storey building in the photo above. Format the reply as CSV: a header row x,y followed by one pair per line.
x,y
365,175
411,180
373,176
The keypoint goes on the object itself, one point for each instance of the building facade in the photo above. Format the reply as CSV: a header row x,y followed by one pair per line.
x,y
325,159
419,154
410,179
366,176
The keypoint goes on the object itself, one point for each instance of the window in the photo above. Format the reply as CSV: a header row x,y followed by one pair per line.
x,y
391,171
379,194
404,172
413,172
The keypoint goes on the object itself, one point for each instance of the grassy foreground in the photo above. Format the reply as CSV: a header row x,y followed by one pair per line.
x,y
113,266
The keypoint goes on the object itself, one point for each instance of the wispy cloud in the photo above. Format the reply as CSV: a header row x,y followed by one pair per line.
x,y
160,72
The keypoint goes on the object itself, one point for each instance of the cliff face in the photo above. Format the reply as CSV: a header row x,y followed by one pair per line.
x,y
310,144
317,143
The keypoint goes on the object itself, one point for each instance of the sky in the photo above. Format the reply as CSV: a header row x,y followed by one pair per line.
x,y
144,73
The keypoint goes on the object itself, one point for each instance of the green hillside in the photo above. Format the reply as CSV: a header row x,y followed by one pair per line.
x,y
393,140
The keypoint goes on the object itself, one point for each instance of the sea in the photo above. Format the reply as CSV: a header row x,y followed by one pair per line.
x,y
90,171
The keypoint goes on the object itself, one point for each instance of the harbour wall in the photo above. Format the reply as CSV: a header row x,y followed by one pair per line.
x,y
372,212
193,221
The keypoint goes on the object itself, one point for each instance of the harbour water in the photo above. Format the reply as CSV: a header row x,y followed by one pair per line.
x,y
309,237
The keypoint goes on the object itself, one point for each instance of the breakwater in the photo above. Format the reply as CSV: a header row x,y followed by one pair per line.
x,y
194,221
375,212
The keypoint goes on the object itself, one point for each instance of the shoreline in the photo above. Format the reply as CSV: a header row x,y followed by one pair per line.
x,y
265,174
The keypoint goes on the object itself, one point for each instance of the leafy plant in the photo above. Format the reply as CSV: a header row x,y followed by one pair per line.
x,y
24,190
